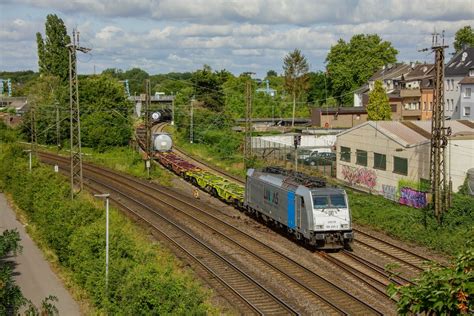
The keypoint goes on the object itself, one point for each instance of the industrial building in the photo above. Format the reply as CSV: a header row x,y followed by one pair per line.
x,y
380,156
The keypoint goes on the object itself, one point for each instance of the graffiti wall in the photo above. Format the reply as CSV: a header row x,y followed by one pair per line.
x,y
412,198
359,176
389,192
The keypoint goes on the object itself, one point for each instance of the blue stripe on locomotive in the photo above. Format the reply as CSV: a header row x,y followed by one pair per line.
x,y
291,210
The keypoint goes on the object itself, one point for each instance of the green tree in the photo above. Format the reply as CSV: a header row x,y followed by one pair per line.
x,y
136,77
439,290
319,88
378,108
105,113
272,73
464,36
41,60
296,69
208,87
351,64
53,56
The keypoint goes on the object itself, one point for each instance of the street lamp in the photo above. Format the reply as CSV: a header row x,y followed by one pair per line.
x,y
106,196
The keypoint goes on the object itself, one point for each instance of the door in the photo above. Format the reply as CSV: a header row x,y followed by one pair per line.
x,y
291,210
299,210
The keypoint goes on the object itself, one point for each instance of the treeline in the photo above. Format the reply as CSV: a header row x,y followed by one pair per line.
x,y
143,278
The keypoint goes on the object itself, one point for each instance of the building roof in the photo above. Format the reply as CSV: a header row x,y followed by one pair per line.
x,y
342,110
419,72
460,64
414,133
391,71
467,80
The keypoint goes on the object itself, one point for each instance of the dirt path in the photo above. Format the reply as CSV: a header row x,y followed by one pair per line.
x,y
32,272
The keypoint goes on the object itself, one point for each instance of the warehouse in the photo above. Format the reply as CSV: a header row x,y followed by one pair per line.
x,y
383,156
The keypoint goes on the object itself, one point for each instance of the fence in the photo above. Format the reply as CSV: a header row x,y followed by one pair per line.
x,y
275,153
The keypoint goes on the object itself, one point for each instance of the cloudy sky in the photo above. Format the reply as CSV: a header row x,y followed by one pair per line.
x,y
239,35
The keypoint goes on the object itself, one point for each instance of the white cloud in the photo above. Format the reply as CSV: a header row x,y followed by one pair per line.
x,y
182,35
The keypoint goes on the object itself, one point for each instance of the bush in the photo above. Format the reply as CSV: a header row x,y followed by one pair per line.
x,y
75,231
439,290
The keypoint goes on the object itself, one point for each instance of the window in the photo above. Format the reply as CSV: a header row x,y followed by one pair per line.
x,y
431,106
400,165
452,104
361,157
467,111
424,106
467,92
380,161
345,154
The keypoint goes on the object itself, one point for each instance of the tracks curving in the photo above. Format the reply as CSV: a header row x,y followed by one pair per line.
x,y
303,282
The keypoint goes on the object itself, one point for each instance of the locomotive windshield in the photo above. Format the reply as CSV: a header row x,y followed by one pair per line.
x,y
328,201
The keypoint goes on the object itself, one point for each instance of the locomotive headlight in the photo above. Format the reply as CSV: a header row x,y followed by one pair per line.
x,y
344,225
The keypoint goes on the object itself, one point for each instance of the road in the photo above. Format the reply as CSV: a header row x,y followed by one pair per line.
x,y
32,272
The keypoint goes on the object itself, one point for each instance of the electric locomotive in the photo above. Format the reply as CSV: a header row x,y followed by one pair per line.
x,y
304,205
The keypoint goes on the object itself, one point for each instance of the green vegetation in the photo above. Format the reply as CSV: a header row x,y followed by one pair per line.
x,y
296,69
439,290
143,278
127,160
378,108
53,55
351,64
464,37
418,225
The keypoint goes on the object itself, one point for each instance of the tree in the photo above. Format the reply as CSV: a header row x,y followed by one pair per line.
x,y
378,108
105,113
208,87
53,56
351,64
296,69
272,73
40,44
464,36
319,88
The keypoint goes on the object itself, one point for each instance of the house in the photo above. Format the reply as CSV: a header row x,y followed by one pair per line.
x,y
416,91
380,156
390,75
455,71
342,117
467,96
409,88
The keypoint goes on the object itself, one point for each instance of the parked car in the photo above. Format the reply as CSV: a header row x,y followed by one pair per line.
x,y
302,154
320,159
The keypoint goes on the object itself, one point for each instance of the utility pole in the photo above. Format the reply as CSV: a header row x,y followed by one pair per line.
x,y
34,139
248,121
147,126
58,127
191,126
439,135
75,119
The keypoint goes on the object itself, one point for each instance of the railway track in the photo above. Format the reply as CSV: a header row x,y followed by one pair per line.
x,y
251,295
310,287
403,257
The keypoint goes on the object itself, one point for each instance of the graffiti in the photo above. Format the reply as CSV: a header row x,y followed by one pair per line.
x,y
413,198
389,192
361,176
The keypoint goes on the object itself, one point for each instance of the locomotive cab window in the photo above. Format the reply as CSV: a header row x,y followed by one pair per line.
x,y
329,201
338,200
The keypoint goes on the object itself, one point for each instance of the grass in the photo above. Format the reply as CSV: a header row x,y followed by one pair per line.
x,y
417,225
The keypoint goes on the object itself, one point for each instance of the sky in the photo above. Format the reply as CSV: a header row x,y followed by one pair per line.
x,y
162,36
